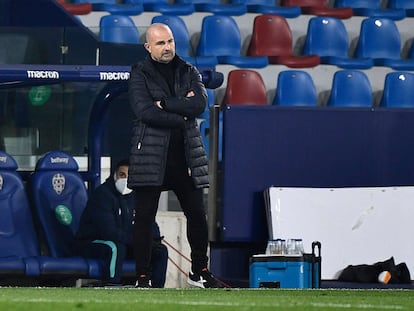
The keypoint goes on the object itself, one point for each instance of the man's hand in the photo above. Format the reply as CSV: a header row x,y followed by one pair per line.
x,y
190,94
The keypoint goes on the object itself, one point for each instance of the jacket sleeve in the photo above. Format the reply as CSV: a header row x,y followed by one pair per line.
x,y
142,103
190,107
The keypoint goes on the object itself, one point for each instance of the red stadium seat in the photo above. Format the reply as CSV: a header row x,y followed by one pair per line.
x,y
245,87
272,37
319,8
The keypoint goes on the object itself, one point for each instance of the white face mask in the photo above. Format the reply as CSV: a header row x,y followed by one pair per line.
x,y
121,186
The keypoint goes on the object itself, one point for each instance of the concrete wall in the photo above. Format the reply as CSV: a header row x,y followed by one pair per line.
x,y
173,228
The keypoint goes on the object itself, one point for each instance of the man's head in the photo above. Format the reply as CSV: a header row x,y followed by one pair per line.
x,y
160,43
121,177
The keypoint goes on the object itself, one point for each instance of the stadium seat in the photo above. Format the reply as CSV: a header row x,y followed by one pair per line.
x,y
319,8
371,8
398,91
215,7
269,7
327,37
17,234
380,40
183,41
205,135
118,29
76,8
114,7
211,101
295,88
165,7
272,37
245,87
220,37
59,196
350,88
18,237
407,5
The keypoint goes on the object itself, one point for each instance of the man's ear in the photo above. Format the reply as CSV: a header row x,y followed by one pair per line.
x,y
147,46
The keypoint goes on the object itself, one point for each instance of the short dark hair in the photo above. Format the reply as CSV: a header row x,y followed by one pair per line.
x,y
124,162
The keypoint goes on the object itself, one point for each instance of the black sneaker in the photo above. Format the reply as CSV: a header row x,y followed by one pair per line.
x,y
203,279
143,282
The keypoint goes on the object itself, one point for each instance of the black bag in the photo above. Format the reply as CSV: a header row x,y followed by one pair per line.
x,y
369,273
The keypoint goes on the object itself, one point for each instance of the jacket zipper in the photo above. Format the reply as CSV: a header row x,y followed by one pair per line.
x,y
141,137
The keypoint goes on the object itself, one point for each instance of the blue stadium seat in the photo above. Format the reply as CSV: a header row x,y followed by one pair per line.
x,y
319,8
183,41
17,234
328,38
295,88
245,87
371,8
220,36
398,91
205,135
118,29
269,7
164,7
407,5
128,7
216,7
211,100
272,37
59,196
20,255
350,88
380,40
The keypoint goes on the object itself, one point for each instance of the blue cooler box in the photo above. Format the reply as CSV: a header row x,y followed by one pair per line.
x,y
274,271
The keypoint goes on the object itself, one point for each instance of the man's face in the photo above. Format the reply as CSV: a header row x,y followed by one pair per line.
x,y
122,172
160,44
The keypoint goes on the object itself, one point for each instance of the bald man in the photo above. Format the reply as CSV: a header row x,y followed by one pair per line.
x,y
167,95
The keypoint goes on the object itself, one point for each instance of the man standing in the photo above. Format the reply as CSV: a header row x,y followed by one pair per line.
x,y
106,229
167,153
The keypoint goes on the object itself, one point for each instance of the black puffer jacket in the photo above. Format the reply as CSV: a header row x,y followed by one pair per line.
x,y
152,128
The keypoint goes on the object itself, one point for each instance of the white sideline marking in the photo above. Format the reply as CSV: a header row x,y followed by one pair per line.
x,y
223,304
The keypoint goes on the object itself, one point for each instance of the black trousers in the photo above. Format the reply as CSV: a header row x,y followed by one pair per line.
x,y
191,201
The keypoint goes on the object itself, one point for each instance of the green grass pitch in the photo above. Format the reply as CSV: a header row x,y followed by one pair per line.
x,y
63,299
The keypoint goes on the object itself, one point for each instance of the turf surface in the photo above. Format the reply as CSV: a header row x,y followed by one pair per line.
x,y
62,299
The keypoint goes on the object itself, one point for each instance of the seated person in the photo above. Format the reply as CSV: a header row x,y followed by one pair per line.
x,y
106,229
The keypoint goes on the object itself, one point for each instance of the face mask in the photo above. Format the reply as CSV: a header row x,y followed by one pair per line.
x,y
121,186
